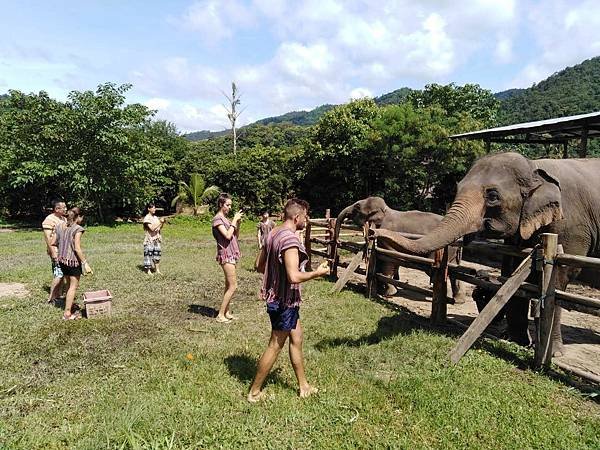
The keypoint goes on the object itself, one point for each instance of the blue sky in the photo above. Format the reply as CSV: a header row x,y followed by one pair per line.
x,y
285,55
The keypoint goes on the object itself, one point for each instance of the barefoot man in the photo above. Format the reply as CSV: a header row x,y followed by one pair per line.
x,y
282,262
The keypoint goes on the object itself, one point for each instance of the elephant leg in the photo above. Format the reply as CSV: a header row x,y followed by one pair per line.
x,y
389,270
517,310
458,292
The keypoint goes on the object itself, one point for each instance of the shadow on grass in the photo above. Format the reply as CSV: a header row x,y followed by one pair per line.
x,y
243,367
206,311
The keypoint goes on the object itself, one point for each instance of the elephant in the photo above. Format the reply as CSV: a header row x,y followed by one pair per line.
x,y
375,211
509,196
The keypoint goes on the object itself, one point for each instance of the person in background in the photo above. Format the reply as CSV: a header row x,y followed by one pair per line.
x,y
152,239
72,260
228,251
282,262
59,209
263,228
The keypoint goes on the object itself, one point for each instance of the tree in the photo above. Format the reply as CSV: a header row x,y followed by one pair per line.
x,y
471,99
195,193
92,150
232,112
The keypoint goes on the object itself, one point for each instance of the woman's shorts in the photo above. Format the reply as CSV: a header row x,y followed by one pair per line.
x,y
69,271
283,318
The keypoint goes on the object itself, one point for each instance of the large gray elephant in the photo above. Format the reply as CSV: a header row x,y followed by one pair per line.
x,y
375,211
507,195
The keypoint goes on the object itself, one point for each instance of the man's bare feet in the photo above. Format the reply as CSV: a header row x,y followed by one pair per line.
x,y
255,398
149,272
308,391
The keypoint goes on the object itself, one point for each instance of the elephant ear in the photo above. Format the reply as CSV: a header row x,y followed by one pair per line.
x,y
542,204
376,217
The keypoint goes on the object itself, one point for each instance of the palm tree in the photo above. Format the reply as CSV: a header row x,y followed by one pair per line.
x,y
195,193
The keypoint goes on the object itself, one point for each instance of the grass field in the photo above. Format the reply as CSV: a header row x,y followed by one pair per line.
x,y
160,374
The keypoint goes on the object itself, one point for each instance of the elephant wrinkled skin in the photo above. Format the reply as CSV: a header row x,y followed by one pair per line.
x,y
375,211
507,195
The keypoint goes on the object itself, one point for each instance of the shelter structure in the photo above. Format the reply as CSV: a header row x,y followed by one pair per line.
x,y
560,130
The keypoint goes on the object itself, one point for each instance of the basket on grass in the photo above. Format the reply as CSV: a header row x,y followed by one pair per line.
x,y
97,303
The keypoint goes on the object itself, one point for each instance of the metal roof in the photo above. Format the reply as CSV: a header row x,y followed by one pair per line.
x,y
559,130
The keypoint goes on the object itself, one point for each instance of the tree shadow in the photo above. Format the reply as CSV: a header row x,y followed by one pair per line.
x,y
206,311
243,367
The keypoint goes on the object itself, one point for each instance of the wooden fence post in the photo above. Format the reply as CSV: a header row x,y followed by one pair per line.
x,y
543,344
307,246
371,265
334,249
439,308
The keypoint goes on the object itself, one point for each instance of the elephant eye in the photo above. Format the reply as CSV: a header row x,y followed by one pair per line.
x,y
492,197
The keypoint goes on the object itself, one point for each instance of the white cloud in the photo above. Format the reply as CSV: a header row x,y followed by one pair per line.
x,y
503,52
328,51
216,20
360,92
566,33
157,103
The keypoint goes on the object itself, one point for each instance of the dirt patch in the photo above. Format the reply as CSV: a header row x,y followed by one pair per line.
x,y
6,230
581,332
13,290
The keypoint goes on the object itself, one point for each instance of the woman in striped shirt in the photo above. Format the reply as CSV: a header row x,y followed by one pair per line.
x,y
72,261
228,251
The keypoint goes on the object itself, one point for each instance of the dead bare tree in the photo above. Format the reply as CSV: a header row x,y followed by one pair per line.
x,y
232,112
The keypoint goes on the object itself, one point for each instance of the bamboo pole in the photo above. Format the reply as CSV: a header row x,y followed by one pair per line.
x,y
439,308
543,345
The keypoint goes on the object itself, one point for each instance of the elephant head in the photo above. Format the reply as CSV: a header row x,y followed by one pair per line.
x,y
503,195
371,209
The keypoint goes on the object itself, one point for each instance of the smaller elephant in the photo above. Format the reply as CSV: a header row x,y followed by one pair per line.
x,y
375,211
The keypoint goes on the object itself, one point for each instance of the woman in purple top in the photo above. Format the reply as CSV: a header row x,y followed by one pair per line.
x,y
67,239
228,251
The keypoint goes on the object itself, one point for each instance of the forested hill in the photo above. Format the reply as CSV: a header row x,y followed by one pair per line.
x,y
304,118
574,90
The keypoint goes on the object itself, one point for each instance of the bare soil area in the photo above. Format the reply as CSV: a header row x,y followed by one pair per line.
x,y
581,332
13,290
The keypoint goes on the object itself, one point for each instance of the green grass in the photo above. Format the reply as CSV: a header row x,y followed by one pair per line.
x,y
125,382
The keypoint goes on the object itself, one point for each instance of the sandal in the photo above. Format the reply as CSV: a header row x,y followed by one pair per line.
x,y
222,319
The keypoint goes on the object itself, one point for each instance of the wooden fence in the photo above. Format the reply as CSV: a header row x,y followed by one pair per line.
x,y
544,258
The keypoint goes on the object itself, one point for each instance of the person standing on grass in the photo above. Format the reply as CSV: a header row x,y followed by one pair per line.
x,y
57,216
226,234
282,262
152,239
71,258
263,228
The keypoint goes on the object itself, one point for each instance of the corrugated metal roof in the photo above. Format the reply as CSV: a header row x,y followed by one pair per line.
x,y
561,128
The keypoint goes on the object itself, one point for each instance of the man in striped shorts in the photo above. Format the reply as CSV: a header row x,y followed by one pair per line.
x,y
282,262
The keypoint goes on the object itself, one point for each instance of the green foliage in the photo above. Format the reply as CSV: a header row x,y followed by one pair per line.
x,y
258,177
471,99
195,193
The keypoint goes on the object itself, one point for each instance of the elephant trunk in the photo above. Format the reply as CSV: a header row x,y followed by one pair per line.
x,y
338,222
465,216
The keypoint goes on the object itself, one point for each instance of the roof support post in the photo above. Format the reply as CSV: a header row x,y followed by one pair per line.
x,y
487,146
583,144
565,154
